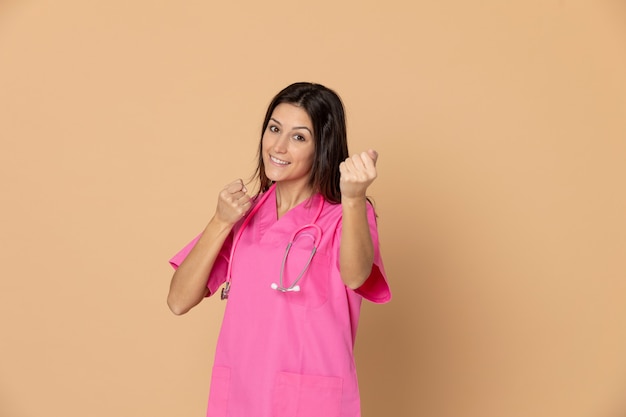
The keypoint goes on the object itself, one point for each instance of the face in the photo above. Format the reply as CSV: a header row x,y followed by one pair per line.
x,y
288,146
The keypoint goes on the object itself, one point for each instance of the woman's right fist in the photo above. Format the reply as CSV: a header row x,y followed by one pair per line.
x,y
233,203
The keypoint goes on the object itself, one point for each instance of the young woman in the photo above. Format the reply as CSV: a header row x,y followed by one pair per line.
x,y
295,260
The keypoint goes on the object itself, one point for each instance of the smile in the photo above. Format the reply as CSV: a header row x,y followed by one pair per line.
x,y
278,161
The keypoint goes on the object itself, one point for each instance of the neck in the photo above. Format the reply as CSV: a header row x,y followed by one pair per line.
x,y
288,197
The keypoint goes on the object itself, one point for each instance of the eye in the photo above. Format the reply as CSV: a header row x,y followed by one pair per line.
x,y
273,128
299,138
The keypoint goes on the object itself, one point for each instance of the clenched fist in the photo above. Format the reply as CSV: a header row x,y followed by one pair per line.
x,y
357,173
233,203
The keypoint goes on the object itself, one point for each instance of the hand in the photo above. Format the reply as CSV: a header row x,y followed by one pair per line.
x,y
233,203
357,173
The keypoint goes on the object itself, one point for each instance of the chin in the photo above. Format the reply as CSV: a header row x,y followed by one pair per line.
x,y
270,176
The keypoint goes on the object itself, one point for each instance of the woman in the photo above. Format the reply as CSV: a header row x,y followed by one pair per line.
x,y
286,343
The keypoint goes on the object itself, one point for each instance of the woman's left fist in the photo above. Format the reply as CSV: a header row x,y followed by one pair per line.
x,y
357,173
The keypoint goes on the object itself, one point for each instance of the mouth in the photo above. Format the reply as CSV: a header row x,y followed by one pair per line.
x,y
278,161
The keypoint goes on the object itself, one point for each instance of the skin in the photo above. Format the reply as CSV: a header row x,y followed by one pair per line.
x,y
356,254
288,151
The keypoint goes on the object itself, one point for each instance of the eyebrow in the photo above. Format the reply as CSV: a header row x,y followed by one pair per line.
x,y
295,127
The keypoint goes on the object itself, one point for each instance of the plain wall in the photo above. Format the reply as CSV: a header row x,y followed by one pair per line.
x,y
501,195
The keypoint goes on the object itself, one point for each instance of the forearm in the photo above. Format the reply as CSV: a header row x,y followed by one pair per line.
x,y
356,254
189,283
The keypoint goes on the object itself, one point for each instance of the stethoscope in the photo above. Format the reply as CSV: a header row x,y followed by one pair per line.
x,y
317,237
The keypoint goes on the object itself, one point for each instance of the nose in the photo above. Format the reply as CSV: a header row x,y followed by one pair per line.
x,y
280,146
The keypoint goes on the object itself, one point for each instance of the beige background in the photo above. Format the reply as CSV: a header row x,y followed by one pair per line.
x,y
502,134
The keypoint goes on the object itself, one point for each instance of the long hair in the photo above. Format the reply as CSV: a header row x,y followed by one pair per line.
x,y
326,111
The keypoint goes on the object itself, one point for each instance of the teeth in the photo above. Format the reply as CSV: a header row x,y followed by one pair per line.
x,y
278,161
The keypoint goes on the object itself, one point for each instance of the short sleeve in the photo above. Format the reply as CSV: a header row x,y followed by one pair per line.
x,y
217,276
375,288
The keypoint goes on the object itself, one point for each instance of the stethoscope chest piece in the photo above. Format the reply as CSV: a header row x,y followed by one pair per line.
x,y
225,291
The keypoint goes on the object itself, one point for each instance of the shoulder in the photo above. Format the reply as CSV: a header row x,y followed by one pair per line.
x,y
335,209
331,211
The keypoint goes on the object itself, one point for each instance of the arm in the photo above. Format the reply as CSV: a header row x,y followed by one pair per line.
x,y
189,282
356,254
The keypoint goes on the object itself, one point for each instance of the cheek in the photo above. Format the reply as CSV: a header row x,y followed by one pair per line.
x,y
312,157
308,161
265,145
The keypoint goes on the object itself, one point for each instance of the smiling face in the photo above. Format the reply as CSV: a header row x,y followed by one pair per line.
x,y
288,146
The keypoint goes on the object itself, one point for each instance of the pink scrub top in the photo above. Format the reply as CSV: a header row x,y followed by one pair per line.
x,y
288,354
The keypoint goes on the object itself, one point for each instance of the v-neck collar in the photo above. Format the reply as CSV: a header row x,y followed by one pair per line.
x,y
270,227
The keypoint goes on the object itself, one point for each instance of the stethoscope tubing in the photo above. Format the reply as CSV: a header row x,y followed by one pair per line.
x,y
280,287
294,285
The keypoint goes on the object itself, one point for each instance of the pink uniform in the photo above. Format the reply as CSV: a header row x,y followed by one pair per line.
x,y
289,354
